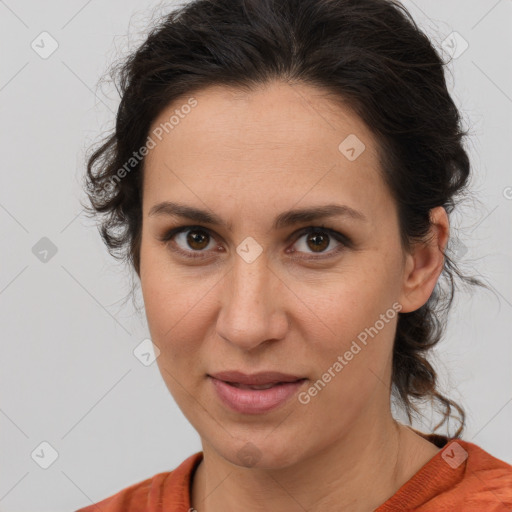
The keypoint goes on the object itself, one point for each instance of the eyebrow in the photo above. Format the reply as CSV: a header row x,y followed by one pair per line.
x,y
285,219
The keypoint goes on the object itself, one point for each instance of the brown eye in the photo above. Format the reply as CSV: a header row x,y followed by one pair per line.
x,y
190,241
318,242
315,241
325,242
197,239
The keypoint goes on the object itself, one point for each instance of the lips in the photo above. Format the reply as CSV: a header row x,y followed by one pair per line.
x,y
267,378
247,386
257,393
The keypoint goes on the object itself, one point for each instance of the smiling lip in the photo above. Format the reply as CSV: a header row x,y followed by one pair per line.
x,y
236,390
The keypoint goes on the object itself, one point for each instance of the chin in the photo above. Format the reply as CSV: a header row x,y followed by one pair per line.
x,y
262,454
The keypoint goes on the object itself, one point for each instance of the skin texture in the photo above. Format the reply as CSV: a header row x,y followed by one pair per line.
x,y
248,157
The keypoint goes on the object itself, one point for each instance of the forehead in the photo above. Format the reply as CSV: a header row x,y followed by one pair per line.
x,y
277,140
271,115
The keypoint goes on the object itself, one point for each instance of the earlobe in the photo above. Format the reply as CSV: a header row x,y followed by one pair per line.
x,y
424,264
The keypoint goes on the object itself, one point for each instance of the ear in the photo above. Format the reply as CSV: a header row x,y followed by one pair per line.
x,y
424,264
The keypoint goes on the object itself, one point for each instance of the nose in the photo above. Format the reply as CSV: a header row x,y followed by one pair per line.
x,y
252,308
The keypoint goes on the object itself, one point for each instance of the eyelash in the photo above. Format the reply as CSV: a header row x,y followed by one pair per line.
x,y
345,242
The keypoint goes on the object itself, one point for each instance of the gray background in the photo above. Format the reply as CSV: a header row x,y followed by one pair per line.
x,y
68,373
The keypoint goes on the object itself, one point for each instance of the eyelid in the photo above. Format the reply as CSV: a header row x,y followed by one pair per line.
x,y
342,239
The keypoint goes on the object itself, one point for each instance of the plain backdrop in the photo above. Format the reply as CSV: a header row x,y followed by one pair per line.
x,y
69,377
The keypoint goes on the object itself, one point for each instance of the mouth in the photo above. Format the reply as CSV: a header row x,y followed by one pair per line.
x,y
253,398
255,379
261,386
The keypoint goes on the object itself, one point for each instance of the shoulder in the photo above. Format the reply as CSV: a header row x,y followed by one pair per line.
x,y
461,476
486,481
149,495
132,498
466,477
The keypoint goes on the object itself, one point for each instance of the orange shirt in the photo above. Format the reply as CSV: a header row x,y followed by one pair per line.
x,y
461,477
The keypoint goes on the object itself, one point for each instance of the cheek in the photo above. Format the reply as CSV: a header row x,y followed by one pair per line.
x,y
174,320
166,301
176,330
351,334
344,303
352,371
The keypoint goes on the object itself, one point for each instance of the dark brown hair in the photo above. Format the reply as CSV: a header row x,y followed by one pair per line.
x,y
369,54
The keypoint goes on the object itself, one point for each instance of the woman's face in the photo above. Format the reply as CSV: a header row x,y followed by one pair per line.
x,y
243,292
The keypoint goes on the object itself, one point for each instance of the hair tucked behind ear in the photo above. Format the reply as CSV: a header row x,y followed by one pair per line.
x,y
370,55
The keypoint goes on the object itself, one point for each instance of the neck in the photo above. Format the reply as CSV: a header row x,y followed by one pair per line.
x,y
359,473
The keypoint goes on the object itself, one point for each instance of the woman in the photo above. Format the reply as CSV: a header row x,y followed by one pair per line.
x,y
280,178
